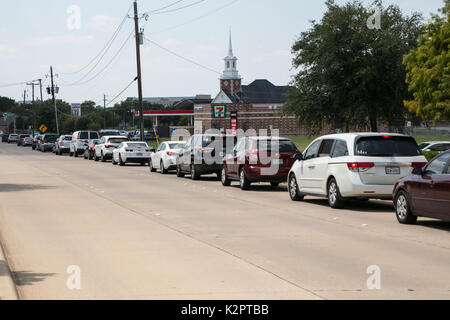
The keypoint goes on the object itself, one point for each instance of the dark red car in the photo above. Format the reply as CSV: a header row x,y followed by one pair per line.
x,y
426,193
259,159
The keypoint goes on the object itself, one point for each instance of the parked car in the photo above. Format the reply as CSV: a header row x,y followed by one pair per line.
x,y
62,145
5,137
21,137
259,159
148,136
165,157
131,152
437,146
103,151
89,152
36,141
27,142
13,138
426,193
203,154
47,142
80,142
108,133
354,165
123,133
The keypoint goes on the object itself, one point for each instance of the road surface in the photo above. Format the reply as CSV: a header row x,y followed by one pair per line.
x,y
126,233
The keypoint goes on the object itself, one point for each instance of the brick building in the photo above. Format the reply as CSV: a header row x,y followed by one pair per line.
x,y
257,105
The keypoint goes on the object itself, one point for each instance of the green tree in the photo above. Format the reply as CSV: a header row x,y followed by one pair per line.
x,y
429,70
7,104
351,76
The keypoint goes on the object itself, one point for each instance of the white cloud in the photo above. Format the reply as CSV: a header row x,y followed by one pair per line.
x,y
103,23
8,52
62,40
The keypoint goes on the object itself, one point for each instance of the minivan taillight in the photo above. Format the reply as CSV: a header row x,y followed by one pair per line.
x,y
360,166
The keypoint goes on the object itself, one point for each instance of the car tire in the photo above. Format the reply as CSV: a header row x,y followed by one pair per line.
x,y
121,163
226,182
96,159
113,161
102,158
180,174
244,183
403,209
294,191
152,169
194,174
76,154
335,199
162,168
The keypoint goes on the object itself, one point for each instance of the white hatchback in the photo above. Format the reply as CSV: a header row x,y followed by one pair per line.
x,y
133,152
165,157
353,165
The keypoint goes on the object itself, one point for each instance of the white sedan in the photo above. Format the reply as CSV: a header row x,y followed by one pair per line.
x,y
165,157
131,152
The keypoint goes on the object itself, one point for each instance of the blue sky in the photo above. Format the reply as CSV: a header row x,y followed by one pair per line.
x,y
34,34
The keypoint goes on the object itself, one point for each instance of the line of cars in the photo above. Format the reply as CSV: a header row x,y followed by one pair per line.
x,y
338,167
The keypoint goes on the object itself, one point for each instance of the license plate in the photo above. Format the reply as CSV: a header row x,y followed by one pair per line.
x,y
277,161
139,154
392,170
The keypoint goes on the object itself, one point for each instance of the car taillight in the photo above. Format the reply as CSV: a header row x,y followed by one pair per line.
x,y
418,164
169,153
206,149
62,143
360,166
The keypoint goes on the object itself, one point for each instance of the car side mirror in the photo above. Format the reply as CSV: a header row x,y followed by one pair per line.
x,y
418,172
298,157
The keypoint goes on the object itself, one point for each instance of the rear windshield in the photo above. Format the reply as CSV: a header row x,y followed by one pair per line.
x,y
93,135
68,138
137,144
387,146
109,133
208,140
84,135
176,145
117,140
283,145
50,138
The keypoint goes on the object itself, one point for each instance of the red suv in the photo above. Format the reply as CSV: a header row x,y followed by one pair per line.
x,y
259,159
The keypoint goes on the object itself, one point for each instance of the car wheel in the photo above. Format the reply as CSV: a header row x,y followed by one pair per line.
x,y
194,174
95,157
121,163
152,169
243,180
180,174
102,158
113,161
76,154
162,168
403,209
294,191
335,199
226,182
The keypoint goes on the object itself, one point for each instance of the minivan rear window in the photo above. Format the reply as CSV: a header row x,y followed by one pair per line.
x,y
84,136
387,146
93,135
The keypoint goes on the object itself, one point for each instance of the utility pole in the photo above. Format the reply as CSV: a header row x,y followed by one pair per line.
x,y
24,101
104,111
139,74
33,112
40,86
54,100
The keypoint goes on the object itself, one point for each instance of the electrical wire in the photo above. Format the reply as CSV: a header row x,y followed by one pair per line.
x,y
126,88
105,49
13,84
180,8
166,7
198,18
182,57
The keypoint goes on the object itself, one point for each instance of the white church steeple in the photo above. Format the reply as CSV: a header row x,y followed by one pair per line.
x,y
230,79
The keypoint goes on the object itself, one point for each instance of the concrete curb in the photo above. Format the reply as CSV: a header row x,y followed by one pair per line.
x,y
8,290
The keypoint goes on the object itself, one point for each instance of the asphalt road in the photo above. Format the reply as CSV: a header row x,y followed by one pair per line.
x,y
140,235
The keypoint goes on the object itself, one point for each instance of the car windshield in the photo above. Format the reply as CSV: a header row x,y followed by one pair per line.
x,y
176,145
117,140
283,145
387,146
109,133
209,140
137,144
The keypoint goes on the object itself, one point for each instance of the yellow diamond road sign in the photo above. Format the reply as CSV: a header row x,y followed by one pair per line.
x,y
43,128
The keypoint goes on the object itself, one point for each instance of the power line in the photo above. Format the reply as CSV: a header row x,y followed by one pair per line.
x,y
198,18
166,7
106,66
105,49
180,8
182,57
13,84
126,88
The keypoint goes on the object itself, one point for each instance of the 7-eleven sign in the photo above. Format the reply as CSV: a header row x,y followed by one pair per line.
x,y
219,112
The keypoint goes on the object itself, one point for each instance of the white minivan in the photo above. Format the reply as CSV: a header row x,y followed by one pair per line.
x,y
80,142
353,165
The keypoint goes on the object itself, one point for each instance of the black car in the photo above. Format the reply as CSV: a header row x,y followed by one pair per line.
x,y
203,154
5,137
47,142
